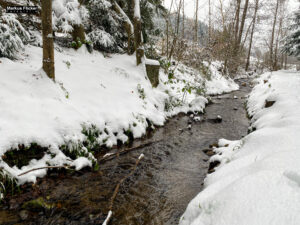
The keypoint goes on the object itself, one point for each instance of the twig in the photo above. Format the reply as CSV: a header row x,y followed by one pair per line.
x,y
117,190
107,218
45,167
113,155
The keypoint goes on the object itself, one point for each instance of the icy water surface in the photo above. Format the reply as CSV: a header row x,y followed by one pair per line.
x,y
170,175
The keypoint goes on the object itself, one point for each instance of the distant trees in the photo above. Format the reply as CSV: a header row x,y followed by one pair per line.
x,y
48,46
292,42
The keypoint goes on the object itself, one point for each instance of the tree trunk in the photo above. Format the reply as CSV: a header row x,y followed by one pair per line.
x,y
48,47
139,50
127,25
78,33
273,33
243,22
275,63
285,61
237,20
209,21
196,21
251,37
183,25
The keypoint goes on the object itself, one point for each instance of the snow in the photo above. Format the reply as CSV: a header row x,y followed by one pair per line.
x,y
81,162
219,84
137,13
151,62
258,179
92,93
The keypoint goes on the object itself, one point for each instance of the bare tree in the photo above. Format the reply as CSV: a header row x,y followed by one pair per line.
x,y
48,47
252,33
273,33
243,22
196,21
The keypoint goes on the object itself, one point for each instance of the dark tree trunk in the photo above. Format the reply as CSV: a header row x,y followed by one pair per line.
x,y
139,50
48,47
78,33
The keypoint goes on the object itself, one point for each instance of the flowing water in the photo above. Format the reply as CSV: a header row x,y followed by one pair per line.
x,y
166,179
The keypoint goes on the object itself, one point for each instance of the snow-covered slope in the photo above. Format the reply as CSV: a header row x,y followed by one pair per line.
x,y
108,97
258,181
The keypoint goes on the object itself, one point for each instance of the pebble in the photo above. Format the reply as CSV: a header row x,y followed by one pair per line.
x,y
23,214
197,118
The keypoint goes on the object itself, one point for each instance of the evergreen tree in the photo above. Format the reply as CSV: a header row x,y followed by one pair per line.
x,y
292,42
13,35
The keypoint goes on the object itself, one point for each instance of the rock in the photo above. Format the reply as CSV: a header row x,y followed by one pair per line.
x,y
244,84
13,204
235,97
197,118
209,152
212,166
235,108
192,115
214,145
269,103
189,126
219,119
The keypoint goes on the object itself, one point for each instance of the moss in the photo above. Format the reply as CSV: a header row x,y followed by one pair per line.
x,y
24,154
37,205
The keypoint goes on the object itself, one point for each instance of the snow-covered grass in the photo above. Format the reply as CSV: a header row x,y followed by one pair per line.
x,y
258,180
95,101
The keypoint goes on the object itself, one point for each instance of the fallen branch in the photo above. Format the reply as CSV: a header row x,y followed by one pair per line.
x,y
117,190
113,155
45,167
106,221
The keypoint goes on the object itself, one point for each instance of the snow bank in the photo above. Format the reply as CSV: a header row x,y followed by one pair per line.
x,y
258,180
218,84
104,97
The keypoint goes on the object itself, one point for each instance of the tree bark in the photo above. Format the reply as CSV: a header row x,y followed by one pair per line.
x,y
237,20
275,64
139,50
196,21
273,33
251,37
209,21
183,25
48,46
78,33
243,22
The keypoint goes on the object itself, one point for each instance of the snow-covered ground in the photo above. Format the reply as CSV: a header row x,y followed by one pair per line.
x,y
104,96
258,180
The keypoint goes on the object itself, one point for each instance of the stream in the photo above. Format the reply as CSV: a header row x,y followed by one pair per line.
x,y
169,176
